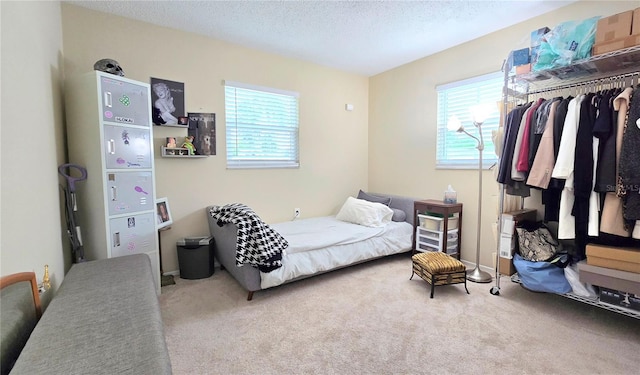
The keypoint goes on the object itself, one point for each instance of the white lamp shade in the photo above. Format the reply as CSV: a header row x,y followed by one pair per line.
x,y
480,112
454,124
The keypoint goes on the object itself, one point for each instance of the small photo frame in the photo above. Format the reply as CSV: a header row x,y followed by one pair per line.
x,y
163,213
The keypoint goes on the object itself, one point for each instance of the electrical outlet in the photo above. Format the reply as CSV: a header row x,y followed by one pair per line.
x,y
296,213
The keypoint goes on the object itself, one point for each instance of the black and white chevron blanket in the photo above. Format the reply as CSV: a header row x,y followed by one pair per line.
x,y
257,244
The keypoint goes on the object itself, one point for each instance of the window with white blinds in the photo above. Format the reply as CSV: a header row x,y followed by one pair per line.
x,y
262,126
457,150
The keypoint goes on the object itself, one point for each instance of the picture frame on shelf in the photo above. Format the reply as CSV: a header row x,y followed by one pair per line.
x,y
163,213
171,142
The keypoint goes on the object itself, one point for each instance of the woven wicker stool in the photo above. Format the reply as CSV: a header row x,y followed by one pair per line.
x,y
438,268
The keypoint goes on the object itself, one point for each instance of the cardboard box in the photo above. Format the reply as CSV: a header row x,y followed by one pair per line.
x,y
635,27
609,278
520,56
523,69
620,298
512,218
614,45
614,27
506,266
618,258
508,240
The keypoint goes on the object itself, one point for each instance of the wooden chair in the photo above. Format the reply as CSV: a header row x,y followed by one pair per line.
x,y
19,315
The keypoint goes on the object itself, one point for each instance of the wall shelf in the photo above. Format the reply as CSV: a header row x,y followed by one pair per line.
x,y
179,153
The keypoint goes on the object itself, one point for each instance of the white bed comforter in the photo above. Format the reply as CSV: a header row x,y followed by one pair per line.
x,y
325,243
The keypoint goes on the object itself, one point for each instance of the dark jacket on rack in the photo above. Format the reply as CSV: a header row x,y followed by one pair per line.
x,y
583,173
512,124
604,129
630,160
551,196
612,219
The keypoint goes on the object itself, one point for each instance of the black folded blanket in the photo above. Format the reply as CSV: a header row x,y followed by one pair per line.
x,y
257,244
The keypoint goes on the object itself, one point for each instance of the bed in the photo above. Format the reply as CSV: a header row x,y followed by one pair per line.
x,y
320,244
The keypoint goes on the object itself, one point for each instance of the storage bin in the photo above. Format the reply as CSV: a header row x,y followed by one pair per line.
x,y
437,223
451,236
437,243
195,257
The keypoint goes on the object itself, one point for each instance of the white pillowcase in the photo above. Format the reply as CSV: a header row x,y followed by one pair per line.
x,y
369,214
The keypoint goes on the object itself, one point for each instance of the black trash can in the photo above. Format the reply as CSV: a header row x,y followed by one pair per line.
x,y
195,257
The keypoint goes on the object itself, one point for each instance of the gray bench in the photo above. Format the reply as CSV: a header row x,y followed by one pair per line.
x,y
104,319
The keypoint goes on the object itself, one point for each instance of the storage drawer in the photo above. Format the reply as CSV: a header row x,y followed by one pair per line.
x,y
437,242
437,235
437,223
452,248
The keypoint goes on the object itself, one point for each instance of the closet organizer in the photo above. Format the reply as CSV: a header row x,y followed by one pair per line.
x,y
543,158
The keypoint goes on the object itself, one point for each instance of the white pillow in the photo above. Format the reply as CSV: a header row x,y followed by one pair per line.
x,y
369,214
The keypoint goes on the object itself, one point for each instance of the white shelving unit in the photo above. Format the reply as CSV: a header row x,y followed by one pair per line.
x,y
596,70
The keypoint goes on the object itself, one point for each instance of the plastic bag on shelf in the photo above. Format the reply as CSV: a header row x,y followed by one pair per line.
x,y
579,288
568,42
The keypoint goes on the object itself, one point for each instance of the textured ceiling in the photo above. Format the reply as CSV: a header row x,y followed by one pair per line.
x,y
364,37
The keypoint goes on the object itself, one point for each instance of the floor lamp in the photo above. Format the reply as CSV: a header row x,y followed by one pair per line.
x,y
479,115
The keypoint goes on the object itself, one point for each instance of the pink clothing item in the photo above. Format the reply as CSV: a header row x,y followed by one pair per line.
x,y
515,175
540,173
523,156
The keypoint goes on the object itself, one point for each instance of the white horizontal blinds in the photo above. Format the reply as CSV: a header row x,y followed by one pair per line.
x,y
262,127
458,150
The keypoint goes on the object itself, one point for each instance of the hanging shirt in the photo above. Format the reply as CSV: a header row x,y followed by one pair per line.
x,y
537,129
583,174
564,169
551,196
605,130
515,174
523,154
511,127
544,160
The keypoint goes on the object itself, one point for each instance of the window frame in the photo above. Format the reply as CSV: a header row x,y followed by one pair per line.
x,y
463,152
290,131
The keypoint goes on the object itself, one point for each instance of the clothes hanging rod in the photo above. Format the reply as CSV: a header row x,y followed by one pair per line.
x,y
585,83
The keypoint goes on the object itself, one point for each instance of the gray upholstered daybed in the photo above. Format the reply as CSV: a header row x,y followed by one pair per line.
x,y
317,245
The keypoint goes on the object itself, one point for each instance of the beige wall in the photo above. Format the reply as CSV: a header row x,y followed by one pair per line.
x,y
394,110
333,155
402,121
32,139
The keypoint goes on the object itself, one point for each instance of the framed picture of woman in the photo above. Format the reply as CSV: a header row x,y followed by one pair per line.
x,y
163,213
167,102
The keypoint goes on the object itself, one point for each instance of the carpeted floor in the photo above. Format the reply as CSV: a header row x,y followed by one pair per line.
x,y
371,319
